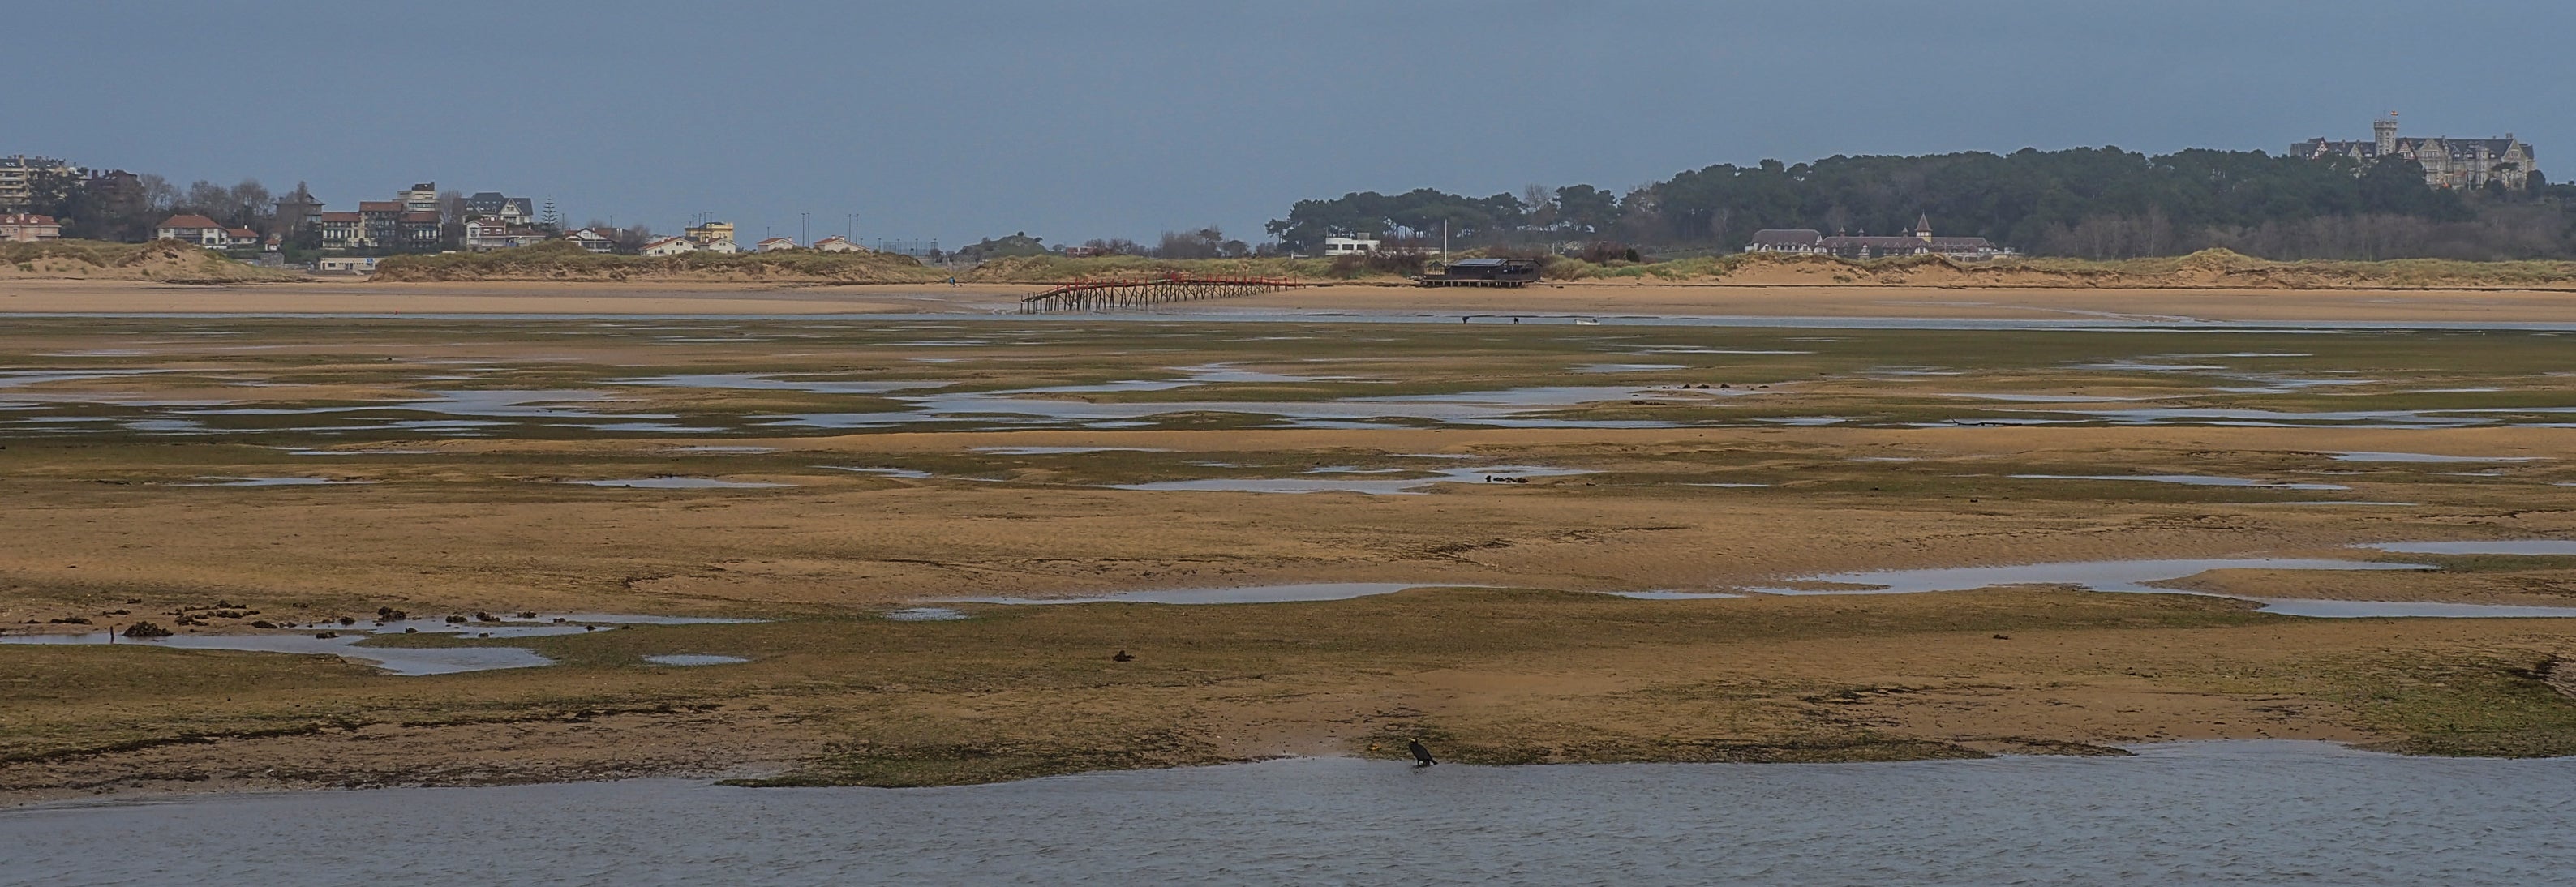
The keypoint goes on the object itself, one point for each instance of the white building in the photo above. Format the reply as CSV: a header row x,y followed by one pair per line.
x,y
496,205
1920,243
1794,241
204,232
592,240
774,244
719,246
492,234
421,198
347,264
671,246
837,244
1349,246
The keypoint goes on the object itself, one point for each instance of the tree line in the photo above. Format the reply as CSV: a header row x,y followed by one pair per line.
x,y
122,206
116,205
2085,202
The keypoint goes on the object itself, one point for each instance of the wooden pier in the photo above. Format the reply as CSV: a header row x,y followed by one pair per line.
x,y
1114,295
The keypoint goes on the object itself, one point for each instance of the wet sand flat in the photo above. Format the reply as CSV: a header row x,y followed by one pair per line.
x,y
666,465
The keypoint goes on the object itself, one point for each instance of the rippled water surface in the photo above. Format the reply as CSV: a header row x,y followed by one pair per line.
x,y
2272,813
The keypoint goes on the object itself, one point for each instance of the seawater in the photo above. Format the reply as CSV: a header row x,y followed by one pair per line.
x,y
2272,813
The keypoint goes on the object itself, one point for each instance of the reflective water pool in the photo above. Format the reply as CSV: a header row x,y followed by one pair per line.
x,y
688,659
393,660
2194,480
1358,484
332,639
2135,577
1257,594
677,483
2357,456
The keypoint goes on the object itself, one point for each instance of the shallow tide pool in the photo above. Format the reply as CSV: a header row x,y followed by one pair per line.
x,y
1257,594
343,640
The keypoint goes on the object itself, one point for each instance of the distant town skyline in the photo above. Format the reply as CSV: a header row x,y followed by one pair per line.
x,y
1127,119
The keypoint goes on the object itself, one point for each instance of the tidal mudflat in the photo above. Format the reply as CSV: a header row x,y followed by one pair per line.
x,y
1532,543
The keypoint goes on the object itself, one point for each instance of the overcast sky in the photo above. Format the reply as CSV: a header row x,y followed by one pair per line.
x,y
1069,120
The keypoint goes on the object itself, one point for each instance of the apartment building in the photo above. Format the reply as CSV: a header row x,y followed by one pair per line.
x,y
15,172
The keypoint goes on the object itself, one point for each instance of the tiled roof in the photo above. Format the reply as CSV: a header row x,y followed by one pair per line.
x,y
1908,241
25,219
380,206
341,217
190,221
1866,240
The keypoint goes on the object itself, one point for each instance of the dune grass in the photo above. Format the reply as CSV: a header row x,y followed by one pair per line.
x,y
565,261
162,260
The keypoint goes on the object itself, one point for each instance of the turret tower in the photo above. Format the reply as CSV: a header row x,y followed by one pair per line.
x,y
2385,133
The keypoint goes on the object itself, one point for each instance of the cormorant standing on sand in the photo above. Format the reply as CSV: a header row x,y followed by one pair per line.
x,y
1423,755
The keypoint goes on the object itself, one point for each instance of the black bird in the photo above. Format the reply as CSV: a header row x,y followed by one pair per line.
x,y
1122,656
1420,754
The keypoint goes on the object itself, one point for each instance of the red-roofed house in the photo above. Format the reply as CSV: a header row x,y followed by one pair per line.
x,y
837,244
774,244
29,227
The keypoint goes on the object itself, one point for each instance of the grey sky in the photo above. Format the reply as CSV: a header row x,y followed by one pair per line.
x,y
1078,120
